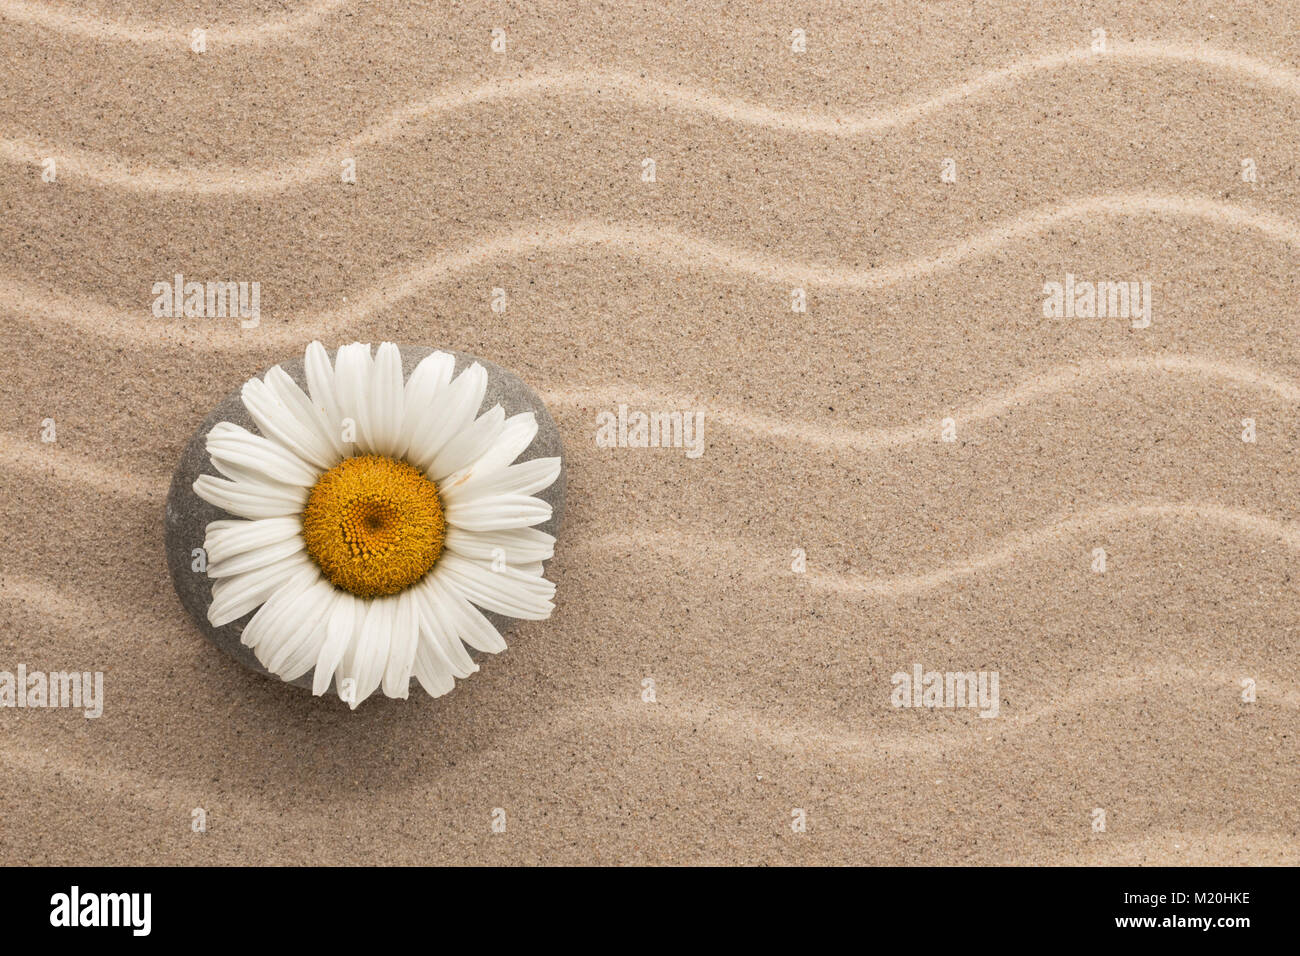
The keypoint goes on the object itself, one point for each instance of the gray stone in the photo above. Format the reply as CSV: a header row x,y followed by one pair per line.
x,y
188,515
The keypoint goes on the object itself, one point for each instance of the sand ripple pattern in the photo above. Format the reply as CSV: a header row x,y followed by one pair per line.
x,y
1011,548
106,170
671,245
715,552
26,455
811,734
1036,388
49,16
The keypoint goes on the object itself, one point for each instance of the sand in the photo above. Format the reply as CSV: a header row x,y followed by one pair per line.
x,y
1119,691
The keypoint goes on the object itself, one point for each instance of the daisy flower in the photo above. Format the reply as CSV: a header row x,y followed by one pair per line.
x,y
375,517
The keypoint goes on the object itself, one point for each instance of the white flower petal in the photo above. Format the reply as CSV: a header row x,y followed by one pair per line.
x,y
295,426
423,393
433,665
345,682
469,444
228,443
431,670
256,558
251,499
339,628
441,630
320,385
518,434
224,524
470,624
232,598
225,539
432,633
506,591
365,661
385,400
401,653
274,621
352,370
297,628
525,478
457,405
508,579
305,412
516,546
299,653
248,476
497,513
304,657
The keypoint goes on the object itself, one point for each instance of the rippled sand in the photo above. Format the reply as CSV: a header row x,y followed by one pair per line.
x,y
522,171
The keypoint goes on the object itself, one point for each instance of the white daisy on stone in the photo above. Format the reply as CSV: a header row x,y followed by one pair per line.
x,y
374,514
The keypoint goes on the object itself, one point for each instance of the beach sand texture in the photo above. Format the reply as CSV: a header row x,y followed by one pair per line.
x,y
774,170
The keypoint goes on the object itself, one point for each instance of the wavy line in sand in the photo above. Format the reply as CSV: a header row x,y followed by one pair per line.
x,y
900,585
731,556
53,605
662,243
743,728
694,250
106,170
39,460
83,26
795,735
1059,379
35,768
122,482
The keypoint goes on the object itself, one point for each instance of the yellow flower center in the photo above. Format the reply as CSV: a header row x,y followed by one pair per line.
x,y
374,525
